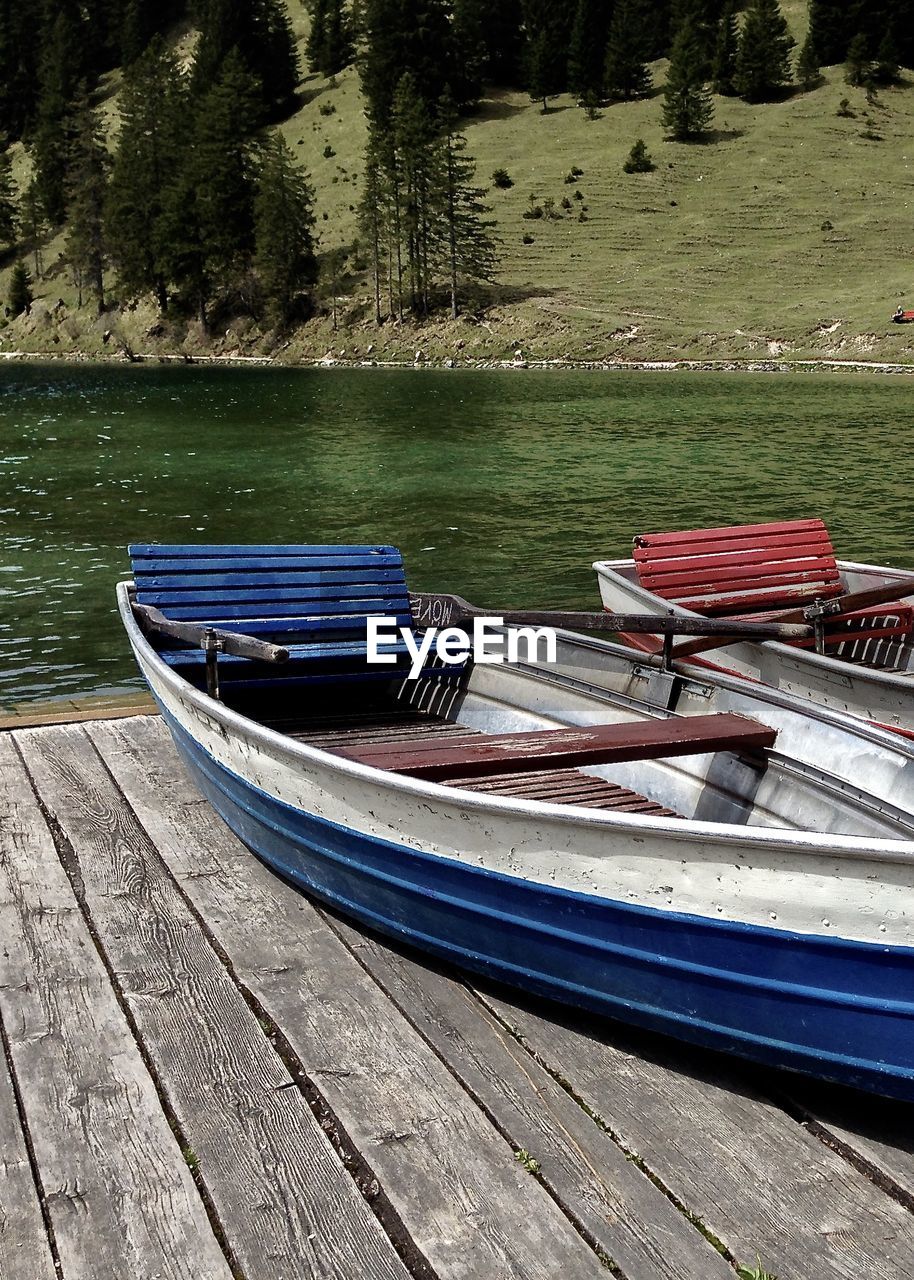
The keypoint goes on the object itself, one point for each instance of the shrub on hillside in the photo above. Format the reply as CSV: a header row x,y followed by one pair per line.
x,y
639,160
502,179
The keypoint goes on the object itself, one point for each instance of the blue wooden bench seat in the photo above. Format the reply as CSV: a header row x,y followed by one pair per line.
x,y
313,600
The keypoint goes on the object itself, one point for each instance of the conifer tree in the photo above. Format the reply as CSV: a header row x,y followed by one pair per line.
x,y
414,138
207,223
545,65
726,49
87,180
687,108
401,36
763,62
330,47
260,33
627,75
639,159
829,30
283,225
469,247
471,64
153,112
371,213
808,73
61,74
9,219
32,223
886,69
20,44
858,69
587,51
20,289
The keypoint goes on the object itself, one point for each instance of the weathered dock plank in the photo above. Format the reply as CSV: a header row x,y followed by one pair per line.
x,y
754,1176
631,1220
285,1202
119,1195
452,1178
25,1252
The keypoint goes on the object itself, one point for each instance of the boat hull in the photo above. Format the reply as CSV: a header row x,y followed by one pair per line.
x,y
884,698
535,895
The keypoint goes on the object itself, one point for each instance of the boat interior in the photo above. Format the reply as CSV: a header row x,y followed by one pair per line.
x,y
511,730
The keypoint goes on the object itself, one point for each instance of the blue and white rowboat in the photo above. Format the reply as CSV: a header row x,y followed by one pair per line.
x,y
760,902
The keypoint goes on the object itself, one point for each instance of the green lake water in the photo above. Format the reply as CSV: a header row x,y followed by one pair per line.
x,y
503,487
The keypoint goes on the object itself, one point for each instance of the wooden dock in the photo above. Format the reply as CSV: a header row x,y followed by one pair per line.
x,y
207,1076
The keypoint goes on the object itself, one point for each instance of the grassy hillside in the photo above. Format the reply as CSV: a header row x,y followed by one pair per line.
x,y
789,234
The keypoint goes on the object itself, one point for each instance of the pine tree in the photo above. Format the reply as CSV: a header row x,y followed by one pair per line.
x,y
283,224
207,221
414,135
587,51
87,181
371,213
470,65
639,159
763,62
808,73
33,225
886,69
858,69
20,44
627,75
329,48
400,37
153,114
687,108
260,33
726,49
61,74
21,297
544,58
9,218
829,30
469,247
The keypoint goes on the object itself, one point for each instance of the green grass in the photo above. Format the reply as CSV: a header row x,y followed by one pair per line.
x,y
757,1272
786,236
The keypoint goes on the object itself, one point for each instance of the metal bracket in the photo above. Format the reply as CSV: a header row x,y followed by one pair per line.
x,y
816,613
212,647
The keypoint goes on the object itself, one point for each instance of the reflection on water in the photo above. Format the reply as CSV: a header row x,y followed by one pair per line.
x,y
502,487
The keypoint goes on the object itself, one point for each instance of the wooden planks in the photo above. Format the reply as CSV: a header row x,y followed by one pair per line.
x,y
471,1209
273,1176
437,759
112,1171
759,1181
25,1252
630,1219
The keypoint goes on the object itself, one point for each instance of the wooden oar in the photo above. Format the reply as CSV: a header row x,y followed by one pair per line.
x,y
432,610
207,638
822,611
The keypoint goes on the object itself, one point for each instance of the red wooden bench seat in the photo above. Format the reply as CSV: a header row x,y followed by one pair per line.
x,y
437,759
747,570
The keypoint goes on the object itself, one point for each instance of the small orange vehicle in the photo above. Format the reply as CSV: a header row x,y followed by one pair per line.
x,y
903,317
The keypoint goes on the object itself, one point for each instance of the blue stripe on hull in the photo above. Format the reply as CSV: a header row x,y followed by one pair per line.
x,y
840,1010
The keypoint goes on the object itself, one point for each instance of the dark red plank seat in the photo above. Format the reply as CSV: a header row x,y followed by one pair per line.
x,y
746,571
443,759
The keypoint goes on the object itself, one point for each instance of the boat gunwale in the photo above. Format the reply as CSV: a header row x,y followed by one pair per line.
x,y
886,679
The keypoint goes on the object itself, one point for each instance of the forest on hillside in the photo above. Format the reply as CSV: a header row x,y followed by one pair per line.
x,y
195,199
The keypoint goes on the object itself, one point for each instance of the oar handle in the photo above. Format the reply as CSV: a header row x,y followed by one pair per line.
x,y
208,638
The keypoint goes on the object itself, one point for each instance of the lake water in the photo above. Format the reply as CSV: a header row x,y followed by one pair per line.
x,y
502,487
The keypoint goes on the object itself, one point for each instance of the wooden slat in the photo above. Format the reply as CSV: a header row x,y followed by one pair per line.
x,y
280,1190
752,1175
315,624
698,575
790,580
749,601
633,1221
474,1213
278,566
278,595
303,600
568,747
786,545
319,651
119,1193
25,1252
687,537
196,551
264,579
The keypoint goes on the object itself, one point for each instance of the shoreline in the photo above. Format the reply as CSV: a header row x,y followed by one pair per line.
x,y
770,365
